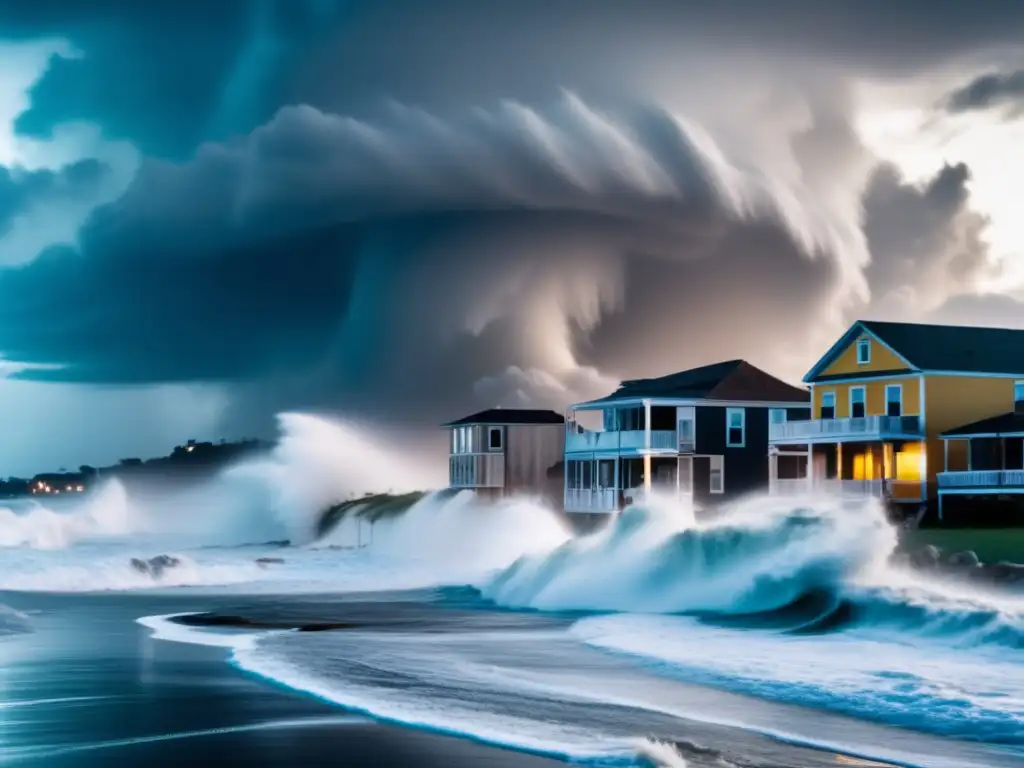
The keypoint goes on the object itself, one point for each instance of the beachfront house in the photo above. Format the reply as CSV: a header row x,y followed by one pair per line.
x,y
983,481
887,396
699,434
504,451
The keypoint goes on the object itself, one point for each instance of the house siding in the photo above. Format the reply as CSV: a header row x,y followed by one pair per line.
x,y
531,453
874,396
952,401
746,469
882,359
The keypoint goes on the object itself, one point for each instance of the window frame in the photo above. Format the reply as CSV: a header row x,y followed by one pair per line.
x,y
491,432
742,427
864,401
898,388
827,393
864,344
773,411
716,465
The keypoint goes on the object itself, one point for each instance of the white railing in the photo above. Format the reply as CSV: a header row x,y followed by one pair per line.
x,y
664,440
869,426
982,478
789,486
630,440
873,488
588,500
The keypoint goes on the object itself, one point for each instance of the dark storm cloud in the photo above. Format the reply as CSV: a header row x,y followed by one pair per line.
x,y
165,75
21,190
925,240
212,272
494,238
995,89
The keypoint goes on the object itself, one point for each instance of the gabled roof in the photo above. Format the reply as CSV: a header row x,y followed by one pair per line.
x,y
1005,424
509,416
732,380
956,348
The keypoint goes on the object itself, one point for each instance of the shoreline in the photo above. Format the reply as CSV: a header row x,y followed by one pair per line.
x,y
198,695
121,695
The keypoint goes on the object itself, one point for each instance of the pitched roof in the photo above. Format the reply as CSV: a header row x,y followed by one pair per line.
x,y
509,416
1005,424
735,380
960,348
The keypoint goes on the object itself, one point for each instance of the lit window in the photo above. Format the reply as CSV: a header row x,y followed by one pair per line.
x,y
863,352
857,407
777,416
894,400
717,474
828,405
735,419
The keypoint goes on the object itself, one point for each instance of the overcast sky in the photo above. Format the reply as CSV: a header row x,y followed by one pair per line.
x,y
403,211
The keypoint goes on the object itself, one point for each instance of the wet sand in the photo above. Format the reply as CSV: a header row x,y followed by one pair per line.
x,y
91,688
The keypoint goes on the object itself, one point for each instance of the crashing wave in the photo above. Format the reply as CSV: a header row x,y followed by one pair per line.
x,y
103,514
816,568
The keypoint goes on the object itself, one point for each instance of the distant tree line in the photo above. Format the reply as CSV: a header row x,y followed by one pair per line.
x,y
192,461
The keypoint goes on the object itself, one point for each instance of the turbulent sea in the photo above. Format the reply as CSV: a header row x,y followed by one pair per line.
x,y
778,635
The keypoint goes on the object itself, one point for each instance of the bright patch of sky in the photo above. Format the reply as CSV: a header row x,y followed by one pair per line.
x,y
907,126
55,222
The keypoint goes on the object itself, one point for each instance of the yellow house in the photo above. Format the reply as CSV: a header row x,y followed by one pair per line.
x,y
881,400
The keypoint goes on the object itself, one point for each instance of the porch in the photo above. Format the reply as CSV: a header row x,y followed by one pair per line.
x,y
630,429
883,470
983,464
601,484
867,428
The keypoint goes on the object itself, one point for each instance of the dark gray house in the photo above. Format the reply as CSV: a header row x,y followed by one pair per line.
x,y
505,451
701,434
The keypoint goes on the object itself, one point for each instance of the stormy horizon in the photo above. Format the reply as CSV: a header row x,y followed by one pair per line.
x,y
397,216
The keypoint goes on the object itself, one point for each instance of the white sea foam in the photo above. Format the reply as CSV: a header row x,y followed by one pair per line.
x,y
104,514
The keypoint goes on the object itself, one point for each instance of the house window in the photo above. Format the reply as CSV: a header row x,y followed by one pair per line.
x,y
777,415
894,400
736,427
863,352
494,438
857,407
1018,395
828,405
717,474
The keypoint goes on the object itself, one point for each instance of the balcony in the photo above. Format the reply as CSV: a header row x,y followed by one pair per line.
x,y
587,500
839,430
982,480
627,441
899,490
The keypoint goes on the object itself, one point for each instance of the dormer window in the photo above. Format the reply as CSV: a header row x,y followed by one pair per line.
x,y
863,352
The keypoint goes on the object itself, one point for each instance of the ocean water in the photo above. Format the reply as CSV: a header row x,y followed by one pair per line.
x,y
779,634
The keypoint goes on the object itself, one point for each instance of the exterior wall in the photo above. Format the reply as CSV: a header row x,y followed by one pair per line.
x,y
746,469
952,401
532,452
882,359
874,396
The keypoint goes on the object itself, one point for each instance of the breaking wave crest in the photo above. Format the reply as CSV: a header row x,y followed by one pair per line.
x,y
104,514
820,566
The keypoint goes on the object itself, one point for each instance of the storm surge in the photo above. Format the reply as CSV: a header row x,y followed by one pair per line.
x,y
808,566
